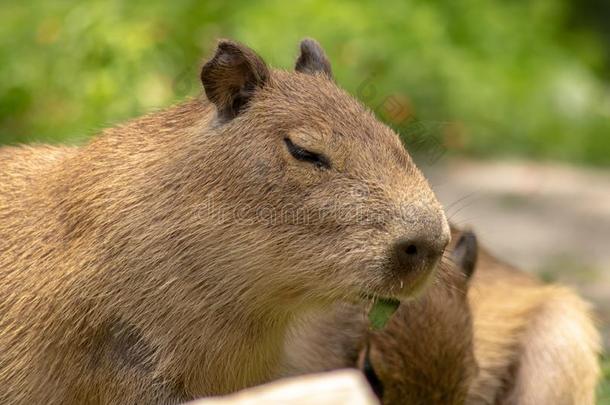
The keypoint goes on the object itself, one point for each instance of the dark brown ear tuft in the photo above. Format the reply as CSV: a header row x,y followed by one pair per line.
x,y
232,76
312,59
465,253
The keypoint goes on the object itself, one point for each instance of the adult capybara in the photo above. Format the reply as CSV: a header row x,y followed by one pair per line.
x,y
166,259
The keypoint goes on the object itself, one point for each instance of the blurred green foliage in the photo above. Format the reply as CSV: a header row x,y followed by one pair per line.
x,y
486,77
603,392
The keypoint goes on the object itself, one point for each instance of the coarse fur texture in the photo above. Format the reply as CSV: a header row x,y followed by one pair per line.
x,y
532,343
424,355
536,343
165,259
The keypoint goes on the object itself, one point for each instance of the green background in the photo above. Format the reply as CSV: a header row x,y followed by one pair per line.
x,y
485,78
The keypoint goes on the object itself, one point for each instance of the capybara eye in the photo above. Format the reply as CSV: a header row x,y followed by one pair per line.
x,y
318,160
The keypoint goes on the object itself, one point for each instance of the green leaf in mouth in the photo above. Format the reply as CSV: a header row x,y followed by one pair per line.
x,y
381,312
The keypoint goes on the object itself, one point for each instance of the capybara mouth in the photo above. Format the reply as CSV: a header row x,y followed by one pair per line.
x,y
402,286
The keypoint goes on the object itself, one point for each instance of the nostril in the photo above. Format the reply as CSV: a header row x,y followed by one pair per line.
x,y
410,253
418,251
411,250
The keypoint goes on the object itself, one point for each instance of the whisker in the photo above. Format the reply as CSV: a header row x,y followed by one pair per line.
x,y
469,195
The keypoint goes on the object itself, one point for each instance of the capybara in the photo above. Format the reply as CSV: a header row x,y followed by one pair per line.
x,y
535,343
166,259
425,354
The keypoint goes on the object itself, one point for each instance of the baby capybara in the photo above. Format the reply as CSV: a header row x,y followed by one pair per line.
x,y
424,355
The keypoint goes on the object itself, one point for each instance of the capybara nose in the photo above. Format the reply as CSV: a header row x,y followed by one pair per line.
x,y
420,252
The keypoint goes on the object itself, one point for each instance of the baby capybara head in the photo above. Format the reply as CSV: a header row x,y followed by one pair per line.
x,y
318,188
425,355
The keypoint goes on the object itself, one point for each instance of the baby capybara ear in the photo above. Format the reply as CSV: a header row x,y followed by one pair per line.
x,y
232,76
312,59
465,252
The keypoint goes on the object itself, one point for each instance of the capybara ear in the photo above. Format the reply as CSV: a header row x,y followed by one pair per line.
x,y
232,76
312,59
465,252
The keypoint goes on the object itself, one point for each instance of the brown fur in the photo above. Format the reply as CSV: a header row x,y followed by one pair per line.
x,y
166,259
424,356
535,344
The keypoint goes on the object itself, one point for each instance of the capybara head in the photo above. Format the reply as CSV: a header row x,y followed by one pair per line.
x,y
426,354
322,192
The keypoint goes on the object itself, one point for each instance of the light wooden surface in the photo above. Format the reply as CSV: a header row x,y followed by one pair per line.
x,y
343,387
